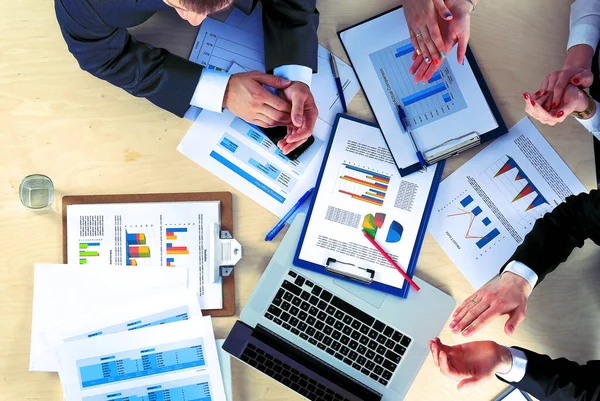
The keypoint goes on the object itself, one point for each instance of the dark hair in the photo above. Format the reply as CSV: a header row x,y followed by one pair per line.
x,y
205,6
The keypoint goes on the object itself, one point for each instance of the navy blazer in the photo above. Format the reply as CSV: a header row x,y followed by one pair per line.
x,y
96,34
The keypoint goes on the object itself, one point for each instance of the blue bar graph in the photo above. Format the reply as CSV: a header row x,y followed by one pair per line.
x,y
467,201
435,77
477,210
446,98
487,221
404,50
177,229
229,145
383,177
488,238
424,94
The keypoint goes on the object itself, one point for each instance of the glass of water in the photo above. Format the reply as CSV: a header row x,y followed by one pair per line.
x,y
36,191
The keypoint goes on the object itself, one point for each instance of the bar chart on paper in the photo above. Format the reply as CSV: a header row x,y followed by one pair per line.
x,y
423,103
362,184
88,250
179,241
188,389
475,222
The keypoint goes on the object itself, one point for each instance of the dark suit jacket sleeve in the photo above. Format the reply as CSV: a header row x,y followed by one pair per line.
x,y
290,28
554,236
560,379
110,53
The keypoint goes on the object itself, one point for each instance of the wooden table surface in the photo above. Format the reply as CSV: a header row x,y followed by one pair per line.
x,y
93,138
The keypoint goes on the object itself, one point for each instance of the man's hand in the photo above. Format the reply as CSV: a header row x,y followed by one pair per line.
x,y
246,98
304,116
505,295
470,363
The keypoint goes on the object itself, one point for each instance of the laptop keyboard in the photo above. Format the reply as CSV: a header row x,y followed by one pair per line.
x,y
338,328
287,375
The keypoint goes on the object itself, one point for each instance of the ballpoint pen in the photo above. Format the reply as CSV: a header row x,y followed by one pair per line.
x,y
338,81
406,127
273,233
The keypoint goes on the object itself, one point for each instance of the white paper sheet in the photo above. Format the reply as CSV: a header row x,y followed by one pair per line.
x,y
243,156
171,359
361,188
219,45
225,362
486,207
451,105
121,312
148,234
63,295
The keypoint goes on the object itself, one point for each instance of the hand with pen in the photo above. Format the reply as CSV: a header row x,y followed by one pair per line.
x,y
435,27
561,92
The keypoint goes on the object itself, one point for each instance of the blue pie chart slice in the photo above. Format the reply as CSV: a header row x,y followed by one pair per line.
x,y
394,233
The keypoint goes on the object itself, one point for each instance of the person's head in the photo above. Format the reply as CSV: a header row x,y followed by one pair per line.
x,y
195,11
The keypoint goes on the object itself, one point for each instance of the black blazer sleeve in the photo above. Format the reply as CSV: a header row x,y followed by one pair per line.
x,y
560,379
554,236
110,53
290,28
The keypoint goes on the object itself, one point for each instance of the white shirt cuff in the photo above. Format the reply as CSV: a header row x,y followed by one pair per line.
x,y
584,34
592,124
210,90
295,72
518,369
520,269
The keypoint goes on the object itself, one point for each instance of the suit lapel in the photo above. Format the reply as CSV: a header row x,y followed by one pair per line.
x,y
246,5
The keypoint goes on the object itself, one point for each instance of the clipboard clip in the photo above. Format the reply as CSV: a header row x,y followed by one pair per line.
x,y
349,270
226,252
452,147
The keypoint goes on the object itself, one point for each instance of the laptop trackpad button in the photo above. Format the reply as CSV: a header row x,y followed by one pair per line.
x,y
372,297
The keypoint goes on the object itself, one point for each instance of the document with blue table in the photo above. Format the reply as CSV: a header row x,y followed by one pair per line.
x,y
177,361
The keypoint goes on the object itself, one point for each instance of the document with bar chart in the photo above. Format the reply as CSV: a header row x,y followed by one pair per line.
x,y
360,190
452,111
484,210
148,234
178,361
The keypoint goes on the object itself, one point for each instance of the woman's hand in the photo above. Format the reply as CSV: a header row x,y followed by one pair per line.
x,y
454,30
573,99
422,19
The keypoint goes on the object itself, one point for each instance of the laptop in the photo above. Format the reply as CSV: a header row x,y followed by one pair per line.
x,y
330,339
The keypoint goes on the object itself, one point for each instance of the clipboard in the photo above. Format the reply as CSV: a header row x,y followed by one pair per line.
x,y
356,274
452,146
510,391
226,205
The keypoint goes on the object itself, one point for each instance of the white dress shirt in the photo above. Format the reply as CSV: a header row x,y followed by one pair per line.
x,y
585,29
210,90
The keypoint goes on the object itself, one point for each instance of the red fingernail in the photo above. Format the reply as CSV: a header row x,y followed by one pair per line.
x,y
560,114
547,108
436,62
575,81
533,102
554,105
525,96
538,93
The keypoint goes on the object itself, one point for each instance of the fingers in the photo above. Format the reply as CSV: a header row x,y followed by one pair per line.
x,y
468,316
298,111
435,43
422,46
463,41
481,321
471,382
446,369
442,10
286,147
272,80
277,103
584,79
415,43
416,65
275,116
514,320
552,102
559,88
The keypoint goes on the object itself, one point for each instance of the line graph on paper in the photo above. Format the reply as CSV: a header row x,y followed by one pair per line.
x,y
479,224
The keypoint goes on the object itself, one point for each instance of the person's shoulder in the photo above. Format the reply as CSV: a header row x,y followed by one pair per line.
x,y
115,13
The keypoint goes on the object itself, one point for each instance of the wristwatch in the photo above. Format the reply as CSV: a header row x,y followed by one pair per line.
x,y
589,110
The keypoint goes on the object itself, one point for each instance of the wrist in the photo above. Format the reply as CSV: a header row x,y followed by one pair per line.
x,y
505,360
515,281
579,56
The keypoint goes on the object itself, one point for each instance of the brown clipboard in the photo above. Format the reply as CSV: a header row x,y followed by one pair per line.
x,y
226,200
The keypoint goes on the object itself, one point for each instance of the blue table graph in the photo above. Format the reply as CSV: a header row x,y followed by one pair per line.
x,y
141,363
188,389
423,103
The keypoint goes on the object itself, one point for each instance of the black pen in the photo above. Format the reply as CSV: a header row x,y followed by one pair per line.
x,y
338,81
406,127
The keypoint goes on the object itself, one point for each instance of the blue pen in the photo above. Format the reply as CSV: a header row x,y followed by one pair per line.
x,y
273,233
406,127
338,81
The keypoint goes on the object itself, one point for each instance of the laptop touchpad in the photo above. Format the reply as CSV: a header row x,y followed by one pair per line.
x,y
373,297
